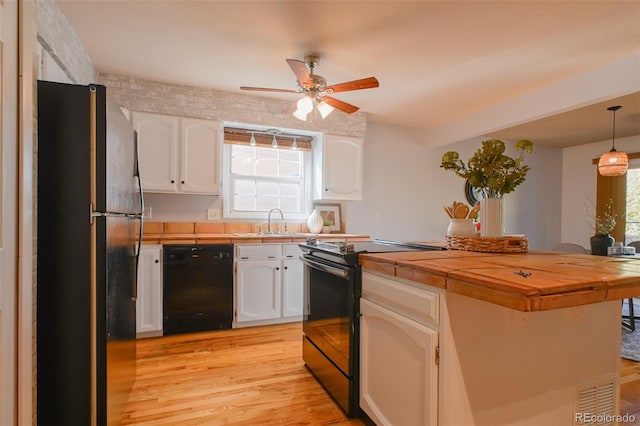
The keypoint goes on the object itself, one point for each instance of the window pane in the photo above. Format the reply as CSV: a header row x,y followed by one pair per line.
x,y
290,189
289,169
267,188
266,203
245,187
267,167
242,202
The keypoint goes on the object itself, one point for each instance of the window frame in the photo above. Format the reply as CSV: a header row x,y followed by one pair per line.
x,y
227,189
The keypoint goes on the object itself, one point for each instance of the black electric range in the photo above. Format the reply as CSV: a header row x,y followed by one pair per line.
x,y
346,253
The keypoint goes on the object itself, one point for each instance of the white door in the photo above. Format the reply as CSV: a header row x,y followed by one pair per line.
x,y
149,302
200,156
398,371
9,179
158,151
258,290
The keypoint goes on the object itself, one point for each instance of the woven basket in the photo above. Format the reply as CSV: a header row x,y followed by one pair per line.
x,y
506,244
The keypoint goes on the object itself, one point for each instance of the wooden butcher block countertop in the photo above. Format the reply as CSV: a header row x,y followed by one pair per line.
x,y
230,233
533,281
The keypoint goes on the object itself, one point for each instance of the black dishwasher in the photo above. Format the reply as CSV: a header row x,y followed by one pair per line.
x,y
198,288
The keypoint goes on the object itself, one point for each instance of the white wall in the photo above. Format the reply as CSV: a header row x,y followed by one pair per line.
x,y
579,176
405,190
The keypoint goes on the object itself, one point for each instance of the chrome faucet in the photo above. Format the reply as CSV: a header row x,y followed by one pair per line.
x,y
269,220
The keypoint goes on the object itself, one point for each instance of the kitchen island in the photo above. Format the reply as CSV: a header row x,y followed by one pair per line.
x,y
492,339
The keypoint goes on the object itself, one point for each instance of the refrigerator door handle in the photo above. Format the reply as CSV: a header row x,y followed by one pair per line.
x,y
140,216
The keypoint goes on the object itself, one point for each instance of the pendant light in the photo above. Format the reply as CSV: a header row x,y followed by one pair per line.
x,y
274,142
252,141
294,145
613,163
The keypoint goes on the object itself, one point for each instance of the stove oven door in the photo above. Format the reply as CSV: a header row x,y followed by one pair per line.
x,y
330,329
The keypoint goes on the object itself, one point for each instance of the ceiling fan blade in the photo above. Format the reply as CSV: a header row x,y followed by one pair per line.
x,y
299,68
266,89
363,83
342,106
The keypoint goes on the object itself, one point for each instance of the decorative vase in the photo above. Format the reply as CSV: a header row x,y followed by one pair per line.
x,y
315,222
600,243
491,217
461,228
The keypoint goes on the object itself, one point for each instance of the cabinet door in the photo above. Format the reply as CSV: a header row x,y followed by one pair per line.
x,y
292,285
258,290
157,151
200,156
341,169
149,302
398,371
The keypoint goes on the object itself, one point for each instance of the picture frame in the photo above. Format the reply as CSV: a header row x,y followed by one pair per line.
x,y
331,215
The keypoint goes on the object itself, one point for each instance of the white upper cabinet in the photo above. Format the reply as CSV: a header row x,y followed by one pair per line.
x,y
337,168
157,151
200,156
178,154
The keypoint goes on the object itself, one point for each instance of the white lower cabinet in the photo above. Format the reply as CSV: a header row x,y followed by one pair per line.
x,y
149,301
259,290
268,284
398,353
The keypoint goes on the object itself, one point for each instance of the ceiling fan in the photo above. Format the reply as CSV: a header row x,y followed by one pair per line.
x,y
315,89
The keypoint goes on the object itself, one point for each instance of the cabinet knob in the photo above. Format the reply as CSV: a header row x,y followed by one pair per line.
x,y
326,189
173,181
285,267
182,182
277,268
157,261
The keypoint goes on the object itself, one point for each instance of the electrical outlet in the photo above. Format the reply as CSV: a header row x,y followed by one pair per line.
x,y
213,214
147,213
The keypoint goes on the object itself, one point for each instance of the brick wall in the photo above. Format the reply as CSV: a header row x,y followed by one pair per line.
x,y
59,40
173,99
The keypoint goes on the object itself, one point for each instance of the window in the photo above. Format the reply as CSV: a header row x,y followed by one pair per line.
x,y
259,178
632,218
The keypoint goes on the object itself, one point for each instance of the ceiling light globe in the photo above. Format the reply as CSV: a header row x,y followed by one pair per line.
x,y
305,104
300,115
325,109
613,163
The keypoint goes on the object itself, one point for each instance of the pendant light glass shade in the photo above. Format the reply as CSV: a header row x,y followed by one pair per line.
x,y
252,141
274,142
613,163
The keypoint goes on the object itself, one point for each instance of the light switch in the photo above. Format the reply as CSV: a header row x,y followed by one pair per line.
x,y
213,214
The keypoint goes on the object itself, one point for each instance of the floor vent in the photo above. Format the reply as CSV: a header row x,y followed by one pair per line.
x,y
596,403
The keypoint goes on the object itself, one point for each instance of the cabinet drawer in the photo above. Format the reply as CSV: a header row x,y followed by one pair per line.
x,y
257,251
290,251
419,304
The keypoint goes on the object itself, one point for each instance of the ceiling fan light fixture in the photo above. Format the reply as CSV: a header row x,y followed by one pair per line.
x,y
305,104
613,163
325,109
300,115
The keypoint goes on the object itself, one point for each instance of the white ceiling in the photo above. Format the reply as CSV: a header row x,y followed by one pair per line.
x,y
437,61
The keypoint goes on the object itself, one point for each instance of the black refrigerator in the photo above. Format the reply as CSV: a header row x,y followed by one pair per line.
x,y
89,211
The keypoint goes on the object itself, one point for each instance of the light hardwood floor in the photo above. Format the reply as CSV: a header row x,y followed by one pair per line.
x,y
252,376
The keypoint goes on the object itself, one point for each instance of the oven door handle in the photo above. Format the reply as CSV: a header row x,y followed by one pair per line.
x,y
325,268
